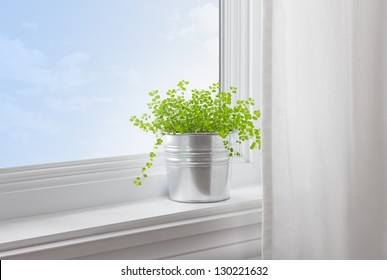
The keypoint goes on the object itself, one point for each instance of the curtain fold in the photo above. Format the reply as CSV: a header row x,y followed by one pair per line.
x,y
324,126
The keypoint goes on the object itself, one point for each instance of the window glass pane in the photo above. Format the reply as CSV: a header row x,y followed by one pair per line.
x,y
73,72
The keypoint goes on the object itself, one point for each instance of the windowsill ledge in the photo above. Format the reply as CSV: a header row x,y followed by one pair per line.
x,y
40,233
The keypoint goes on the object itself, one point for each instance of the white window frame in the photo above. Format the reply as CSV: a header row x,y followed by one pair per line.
x,y
47,188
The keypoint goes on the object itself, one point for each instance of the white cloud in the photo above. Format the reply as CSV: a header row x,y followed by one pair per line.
x,y
34,84
204,23
211,47
29,67
22,124
112,138
29,25
129,76
22,64
174,21
73,60
37,95
71,75
84,104
200,25
175,18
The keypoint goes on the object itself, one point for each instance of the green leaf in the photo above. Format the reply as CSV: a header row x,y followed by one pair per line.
x,y
205,111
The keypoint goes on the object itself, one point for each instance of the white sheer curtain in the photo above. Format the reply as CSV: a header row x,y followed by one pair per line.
x,y
325,129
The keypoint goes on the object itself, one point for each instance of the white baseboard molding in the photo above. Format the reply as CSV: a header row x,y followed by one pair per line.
x,y
239,251
184,231
224,244
237,233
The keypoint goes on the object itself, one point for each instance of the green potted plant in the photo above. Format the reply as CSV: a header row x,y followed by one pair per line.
x,y
199,131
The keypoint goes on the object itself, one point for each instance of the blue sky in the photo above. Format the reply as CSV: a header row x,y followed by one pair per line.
x,y
73,72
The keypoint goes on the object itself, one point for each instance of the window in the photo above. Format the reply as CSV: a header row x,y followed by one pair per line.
x,y
73,72
96,181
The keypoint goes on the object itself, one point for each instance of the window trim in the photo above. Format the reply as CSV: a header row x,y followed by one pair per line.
x,y
93,182
103,231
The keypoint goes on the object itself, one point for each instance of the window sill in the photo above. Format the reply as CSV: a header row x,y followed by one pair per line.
x,y
90,231
77,185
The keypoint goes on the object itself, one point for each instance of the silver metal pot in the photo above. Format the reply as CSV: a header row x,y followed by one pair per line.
x,y
198,167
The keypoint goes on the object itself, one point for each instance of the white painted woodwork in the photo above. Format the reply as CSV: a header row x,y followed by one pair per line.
x,y
128,228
